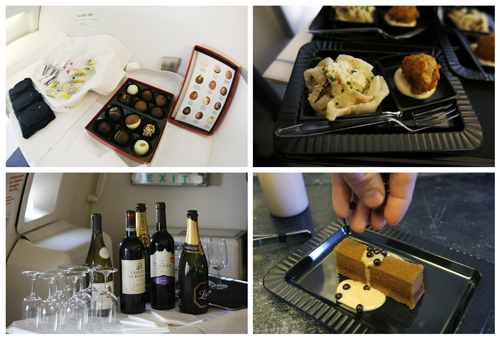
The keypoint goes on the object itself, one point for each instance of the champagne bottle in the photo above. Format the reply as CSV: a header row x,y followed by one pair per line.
x,y
98,254
193,271
133,270
143,235
162,249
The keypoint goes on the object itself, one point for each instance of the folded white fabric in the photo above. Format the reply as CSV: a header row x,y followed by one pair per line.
x,y
111,57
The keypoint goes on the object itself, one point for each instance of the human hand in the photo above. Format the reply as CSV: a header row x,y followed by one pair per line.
x,y
361,196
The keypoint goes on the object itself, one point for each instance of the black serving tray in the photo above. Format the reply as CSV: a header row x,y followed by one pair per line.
x,y
459,289
233,297
325,21
455,45
464,132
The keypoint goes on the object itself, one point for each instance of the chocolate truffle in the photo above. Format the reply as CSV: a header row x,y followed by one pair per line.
x,y
217,105
115,114
148,130
217,69
132,89
204,62
212,85
141,147
147,95
199,79
186,110
210,119
223,91
193,95
205,101
157,112
122,138
125,99
161,100
141,106
229,75
103,127
199,115
132,121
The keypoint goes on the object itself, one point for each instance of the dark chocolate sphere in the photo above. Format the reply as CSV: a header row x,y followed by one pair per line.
x,y
186,110
193,95
115,114
125,99
223,91
141,106
217,105
104,127
147,95
122,138
199,115
157,112
161,100
199,79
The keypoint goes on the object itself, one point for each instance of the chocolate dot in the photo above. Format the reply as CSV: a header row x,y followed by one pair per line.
x,y
338,296
376,251
359,308
376,262
352,205
366,288
369,249
369,254
346,286
384,253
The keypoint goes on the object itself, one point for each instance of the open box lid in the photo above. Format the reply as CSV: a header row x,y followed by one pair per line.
x,y
206,94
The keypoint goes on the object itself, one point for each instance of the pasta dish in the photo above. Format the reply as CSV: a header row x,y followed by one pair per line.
x,y
344,86
355,13
470,19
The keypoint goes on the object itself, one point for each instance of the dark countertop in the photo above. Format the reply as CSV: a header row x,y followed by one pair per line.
x,y
455,210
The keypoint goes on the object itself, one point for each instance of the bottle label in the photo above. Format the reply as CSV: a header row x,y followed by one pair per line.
x,y
200,294
162,267
142,228
191,248
133,276
103,253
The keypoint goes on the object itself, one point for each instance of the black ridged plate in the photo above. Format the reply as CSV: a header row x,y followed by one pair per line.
x,y
466,134
459,289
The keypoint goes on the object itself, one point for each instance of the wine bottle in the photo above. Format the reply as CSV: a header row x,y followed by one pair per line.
x,y
193,271
98,254
133,270
162,248
143,235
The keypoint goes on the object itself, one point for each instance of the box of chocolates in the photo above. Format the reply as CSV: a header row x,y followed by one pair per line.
x,y
206,94
133,120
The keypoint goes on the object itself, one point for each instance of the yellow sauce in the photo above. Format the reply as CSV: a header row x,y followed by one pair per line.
x,y
405,88
356,295
399,23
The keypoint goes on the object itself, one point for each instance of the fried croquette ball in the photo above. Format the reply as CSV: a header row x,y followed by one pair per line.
x,y
486,47
405,14
421,71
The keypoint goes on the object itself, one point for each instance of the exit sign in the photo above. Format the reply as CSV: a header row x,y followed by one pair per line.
x,y
170,179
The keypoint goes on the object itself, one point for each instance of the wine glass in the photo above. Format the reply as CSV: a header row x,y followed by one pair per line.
x,y
82,292
57,292
75,309
218,260
206,243
106,304
66,290
50,309
30,306
178,252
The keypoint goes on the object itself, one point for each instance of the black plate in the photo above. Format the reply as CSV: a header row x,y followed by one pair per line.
x,y
325,20
233,297
444,91
445,20
465,131
459,289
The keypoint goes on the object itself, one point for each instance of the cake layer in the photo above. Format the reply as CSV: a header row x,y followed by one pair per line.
x,y
396,278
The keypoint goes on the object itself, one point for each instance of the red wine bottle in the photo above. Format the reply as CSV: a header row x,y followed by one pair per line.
x,y
133,270
162,249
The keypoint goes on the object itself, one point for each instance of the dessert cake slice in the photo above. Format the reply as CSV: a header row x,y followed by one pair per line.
x,y
396,278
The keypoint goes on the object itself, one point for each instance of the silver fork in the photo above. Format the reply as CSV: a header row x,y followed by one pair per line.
x,y
421,120
378,30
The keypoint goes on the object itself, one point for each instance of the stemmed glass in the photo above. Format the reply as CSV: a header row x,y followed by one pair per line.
x,y
206,243
50,310
82,292
57,292
106,304
218,259
75,310
30,306
66,290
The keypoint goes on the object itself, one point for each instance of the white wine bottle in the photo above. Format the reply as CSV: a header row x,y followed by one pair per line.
x,y
98,254
193,271
162,249
143,235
